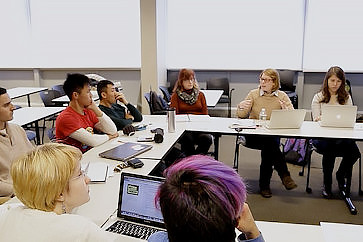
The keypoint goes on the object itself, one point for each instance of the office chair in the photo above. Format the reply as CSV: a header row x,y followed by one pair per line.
x,y
59,88
47,97
222,84
31,136
347,199
287,85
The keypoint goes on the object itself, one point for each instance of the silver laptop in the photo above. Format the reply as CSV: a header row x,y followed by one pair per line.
x,y
137,215
286,119
338,116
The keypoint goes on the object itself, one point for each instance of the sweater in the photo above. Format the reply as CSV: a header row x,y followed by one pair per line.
x,y
316,104
117,113
181,107
268,101
13,143
25,224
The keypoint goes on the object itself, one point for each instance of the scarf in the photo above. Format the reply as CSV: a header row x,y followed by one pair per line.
x,y
188,98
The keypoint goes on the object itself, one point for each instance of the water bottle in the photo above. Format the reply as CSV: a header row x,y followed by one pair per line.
x,y
262,117
171,119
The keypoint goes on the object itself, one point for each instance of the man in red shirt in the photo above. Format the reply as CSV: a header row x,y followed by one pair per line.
x,y
76,124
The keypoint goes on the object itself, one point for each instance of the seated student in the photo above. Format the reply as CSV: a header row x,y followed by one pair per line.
x,y
333,93
75,125
204,200
187,99
119,115
50,183
13,143
269,97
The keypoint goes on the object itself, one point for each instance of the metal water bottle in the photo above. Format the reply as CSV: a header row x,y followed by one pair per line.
x,y
171,119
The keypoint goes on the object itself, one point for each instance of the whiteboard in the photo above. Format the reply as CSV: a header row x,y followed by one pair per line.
x,y
235,34
334,35
72,34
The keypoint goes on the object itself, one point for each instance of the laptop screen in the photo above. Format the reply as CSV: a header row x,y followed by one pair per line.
x,y
136,201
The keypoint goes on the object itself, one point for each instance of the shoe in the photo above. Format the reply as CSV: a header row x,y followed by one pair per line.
x,y
326,193
288,182
266,193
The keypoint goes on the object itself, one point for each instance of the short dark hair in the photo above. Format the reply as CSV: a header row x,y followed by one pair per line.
x,y
102,86
201,200
74,83
2,90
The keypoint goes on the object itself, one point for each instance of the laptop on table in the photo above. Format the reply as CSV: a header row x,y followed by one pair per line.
x,y
286,119
137,215
125,151
338,116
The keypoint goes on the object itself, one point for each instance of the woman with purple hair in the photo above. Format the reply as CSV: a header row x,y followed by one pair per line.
x,y
204,200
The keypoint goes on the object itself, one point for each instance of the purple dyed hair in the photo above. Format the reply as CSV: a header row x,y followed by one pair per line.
x,y
204,193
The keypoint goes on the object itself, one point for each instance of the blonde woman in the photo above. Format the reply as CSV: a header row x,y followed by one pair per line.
x,y
269,97
50,184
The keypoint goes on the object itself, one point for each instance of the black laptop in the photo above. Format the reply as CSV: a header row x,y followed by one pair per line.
x,y
138,216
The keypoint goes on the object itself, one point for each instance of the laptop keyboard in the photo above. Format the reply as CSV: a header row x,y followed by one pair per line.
x,y
130,229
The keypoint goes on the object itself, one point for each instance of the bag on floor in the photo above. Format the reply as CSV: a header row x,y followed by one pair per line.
x,y
295,151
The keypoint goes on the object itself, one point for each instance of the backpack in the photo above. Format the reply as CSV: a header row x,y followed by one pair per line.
x,y
295,151
158,104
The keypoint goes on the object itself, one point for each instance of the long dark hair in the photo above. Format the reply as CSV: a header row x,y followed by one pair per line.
x,y
342,93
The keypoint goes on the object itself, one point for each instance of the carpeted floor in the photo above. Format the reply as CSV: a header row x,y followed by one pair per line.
x,y
295,206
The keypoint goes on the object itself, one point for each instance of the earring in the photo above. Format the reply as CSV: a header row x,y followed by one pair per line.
x,y
64,208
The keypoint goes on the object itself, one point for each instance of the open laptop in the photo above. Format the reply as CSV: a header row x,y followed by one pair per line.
x,y
137,215
125,151
286,119
338,116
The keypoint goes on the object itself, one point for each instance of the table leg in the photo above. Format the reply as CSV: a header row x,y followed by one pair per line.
x,y
28,100
37,132
216,145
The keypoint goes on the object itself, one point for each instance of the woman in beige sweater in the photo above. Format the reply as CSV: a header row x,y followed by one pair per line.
x,y
269,97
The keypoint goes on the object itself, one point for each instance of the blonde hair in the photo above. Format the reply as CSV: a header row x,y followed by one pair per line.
x,y
274,75
40,176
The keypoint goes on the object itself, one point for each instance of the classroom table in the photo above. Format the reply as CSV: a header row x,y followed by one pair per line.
x,y
65,99
24,91
212,97
29,115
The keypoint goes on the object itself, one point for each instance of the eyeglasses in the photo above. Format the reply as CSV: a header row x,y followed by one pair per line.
x,y
265,80
82,174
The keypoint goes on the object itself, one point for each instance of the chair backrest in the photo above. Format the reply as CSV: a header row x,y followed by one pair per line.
x,y
287,80
348,87
219,84
166,93
47,97
59,88
172,78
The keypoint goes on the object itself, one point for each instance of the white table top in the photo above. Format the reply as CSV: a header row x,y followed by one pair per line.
x,y
28,115
212,96
336,232
23,91
65,98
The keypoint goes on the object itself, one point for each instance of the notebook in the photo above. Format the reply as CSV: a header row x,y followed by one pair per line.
x,y
286,119
338,116
137,215
125,151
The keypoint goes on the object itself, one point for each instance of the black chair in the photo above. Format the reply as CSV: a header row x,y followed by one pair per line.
x,y
59,88
47,97
166,93
287,85
310,149
222,84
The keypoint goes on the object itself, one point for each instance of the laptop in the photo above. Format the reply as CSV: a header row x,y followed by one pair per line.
x,y
286,119
137,215
338,116
125,151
